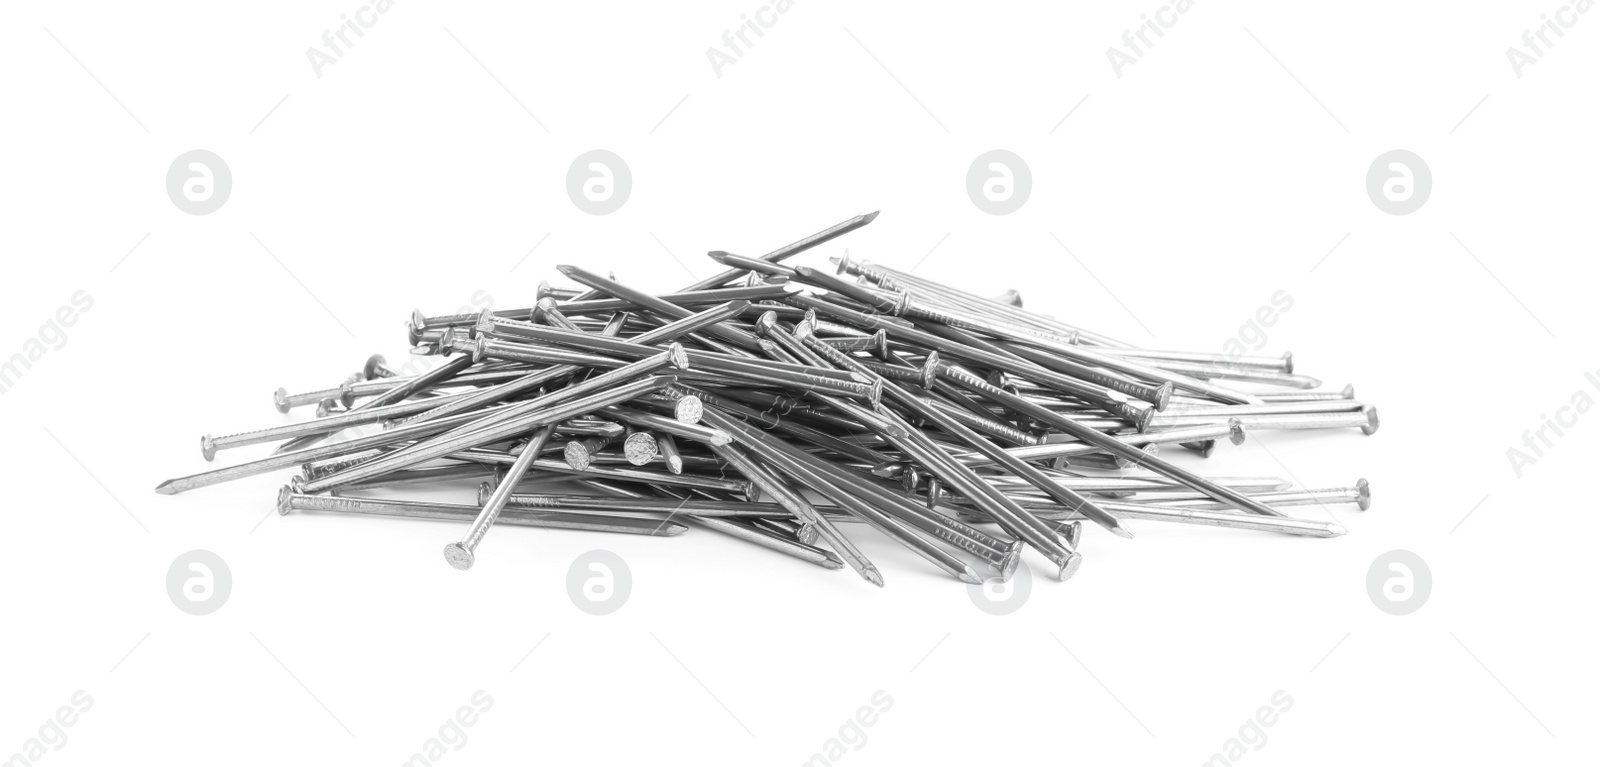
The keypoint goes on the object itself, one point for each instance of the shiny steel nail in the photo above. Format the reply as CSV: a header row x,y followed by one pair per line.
x,y
291,500
803,510
792,249
1365,419
462,553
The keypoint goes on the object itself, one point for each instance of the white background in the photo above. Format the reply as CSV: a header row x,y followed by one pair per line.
x,y
1189,190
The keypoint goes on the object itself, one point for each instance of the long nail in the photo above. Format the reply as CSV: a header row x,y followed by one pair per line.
x,y
666,309
500,428
462,553
291,500
803,510
792,249
1365,419
747,532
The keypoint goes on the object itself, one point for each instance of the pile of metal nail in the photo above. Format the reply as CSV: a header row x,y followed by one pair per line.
x,y
782,405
